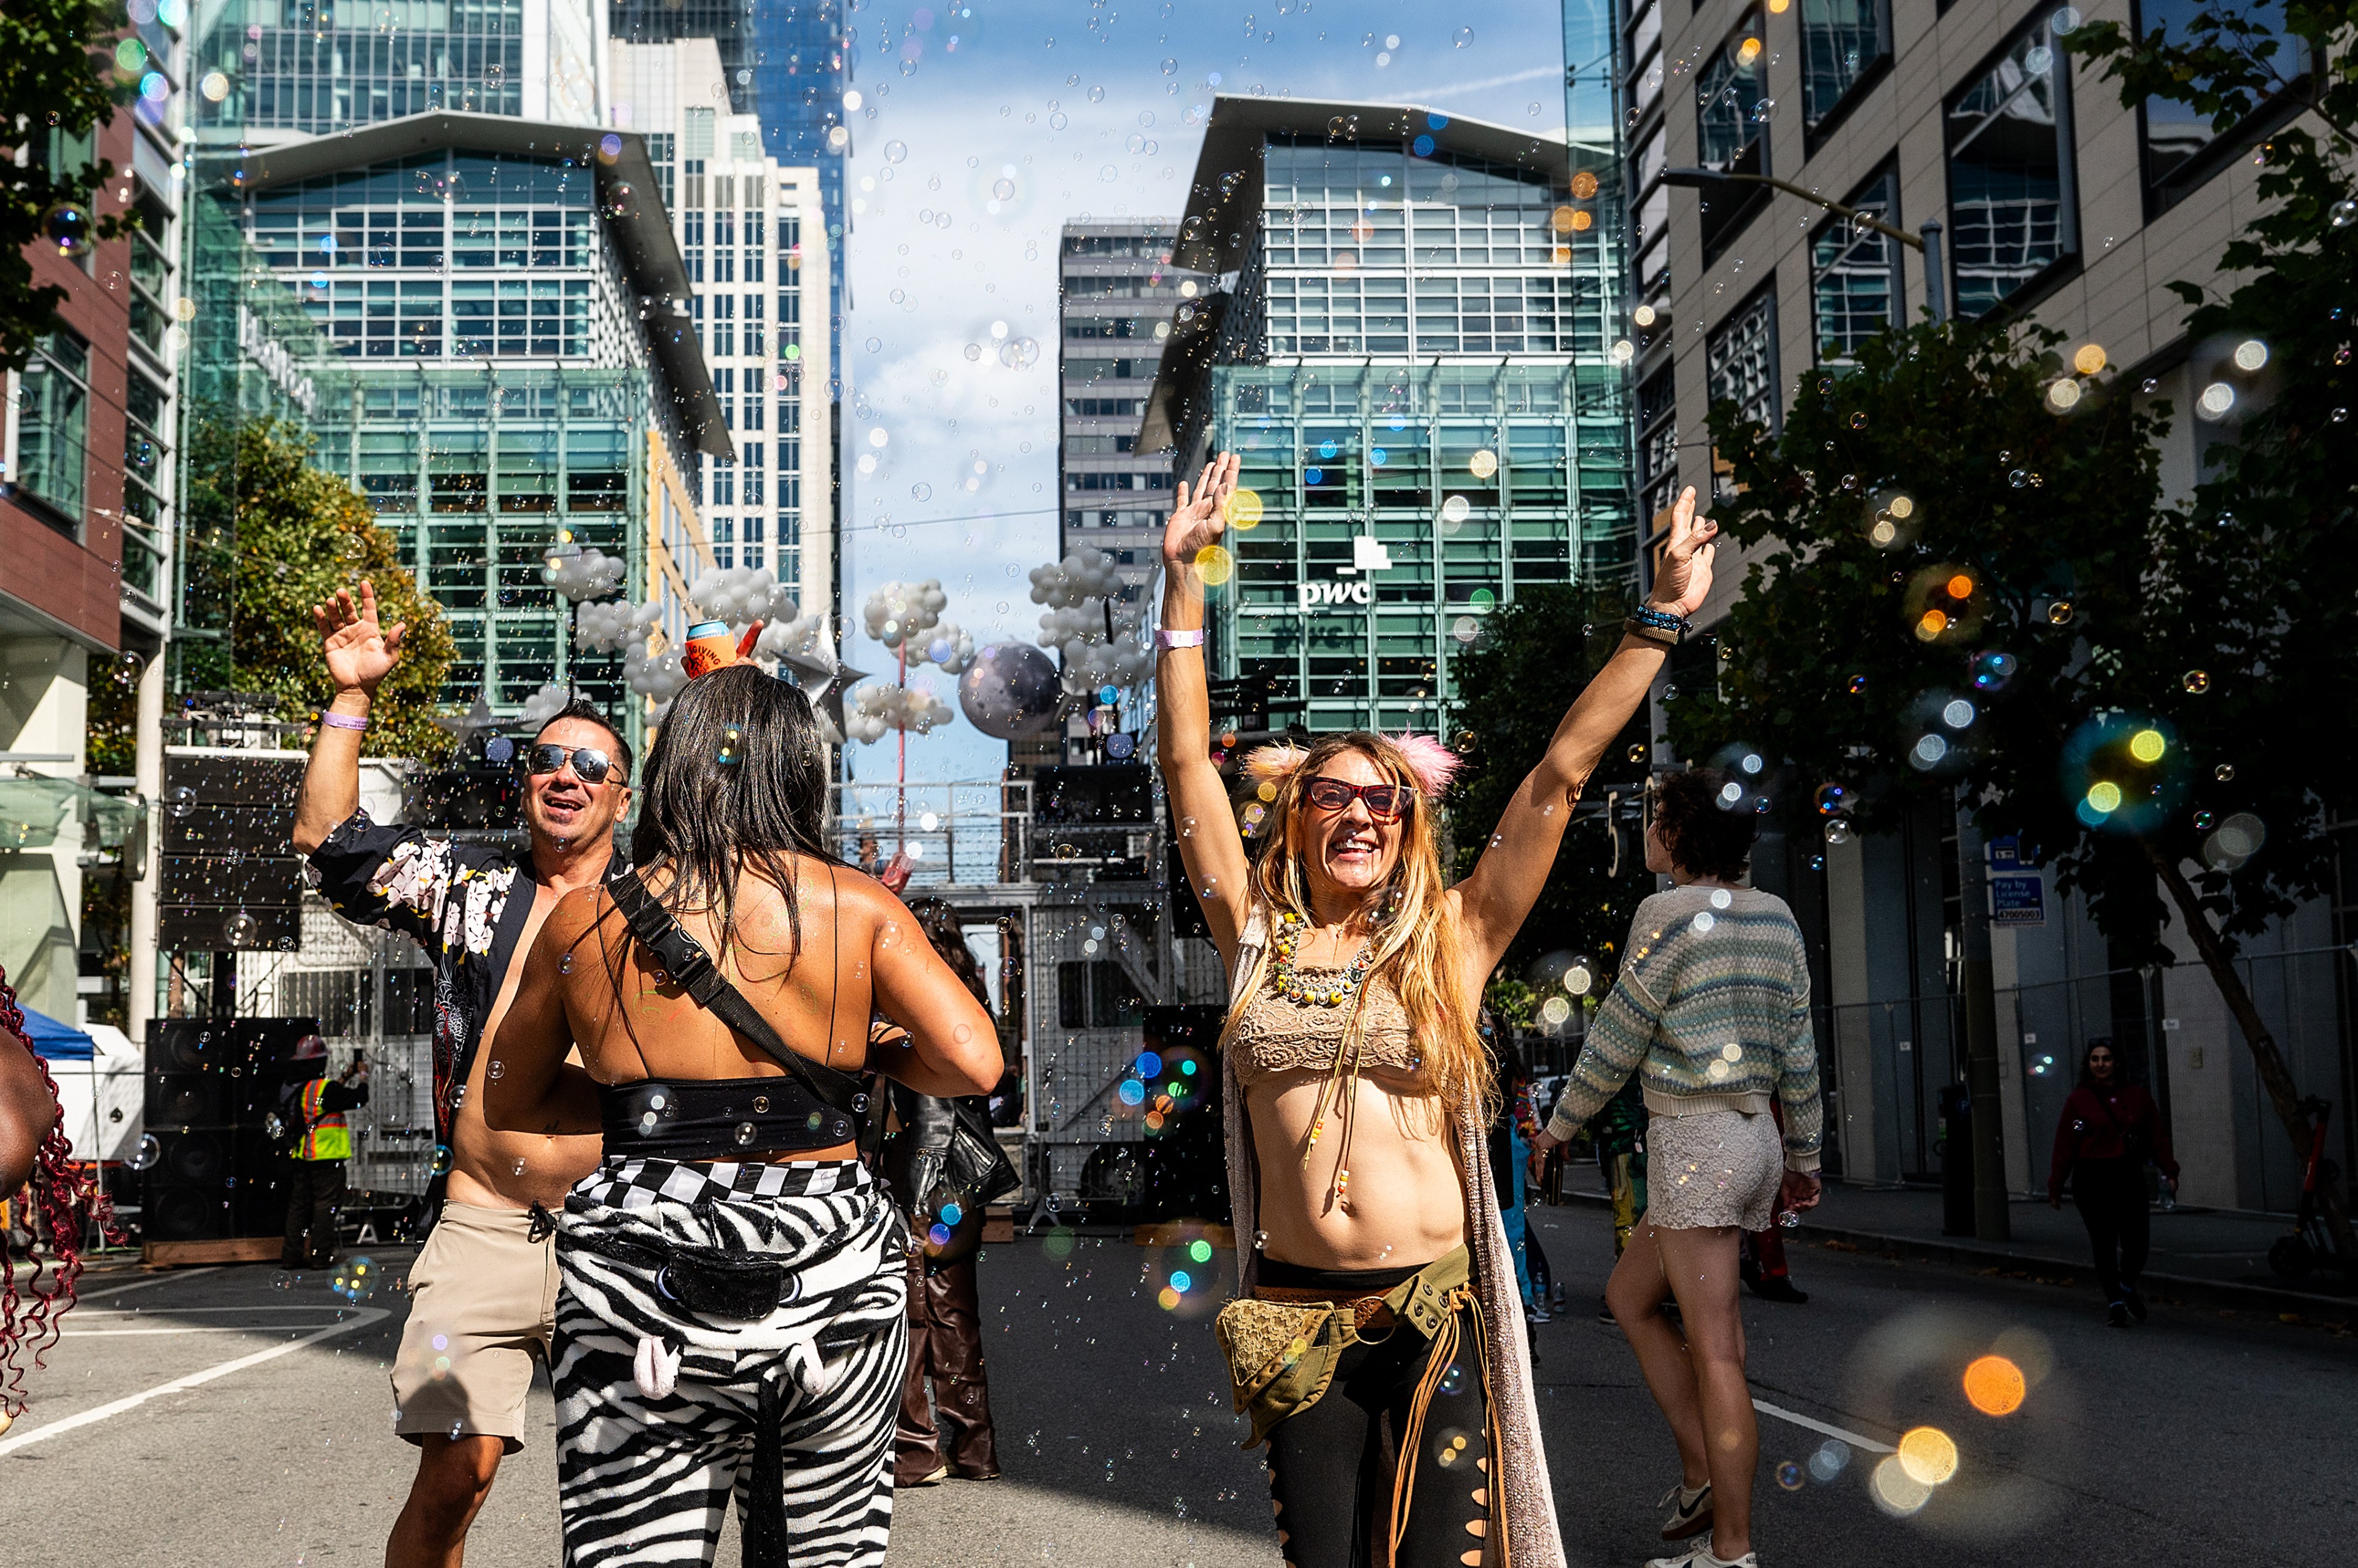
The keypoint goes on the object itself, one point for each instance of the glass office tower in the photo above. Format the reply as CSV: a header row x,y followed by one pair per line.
x,y
1422,382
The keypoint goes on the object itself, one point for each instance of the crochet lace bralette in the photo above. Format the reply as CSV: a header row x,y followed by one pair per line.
x,y
1280,1035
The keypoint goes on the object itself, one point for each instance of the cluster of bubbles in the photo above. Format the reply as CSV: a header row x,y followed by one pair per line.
x,y
541,707
1562,979
741,596
901,614
2236,376
579,573
876,708
356,1279
657,677
2123,773
611,626
1097,635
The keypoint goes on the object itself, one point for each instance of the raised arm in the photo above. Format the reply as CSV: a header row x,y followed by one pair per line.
x,y
1209,844
1507,881
359,655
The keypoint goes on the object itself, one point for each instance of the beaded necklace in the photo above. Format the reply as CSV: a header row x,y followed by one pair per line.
x,y
1288,978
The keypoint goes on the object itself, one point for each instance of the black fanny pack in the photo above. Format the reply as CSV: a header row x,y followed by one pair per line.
x,y
711,1283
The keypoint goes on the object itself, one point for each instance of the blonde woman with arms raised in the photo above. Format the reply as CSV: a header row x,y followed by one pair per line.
x,y
1376,1287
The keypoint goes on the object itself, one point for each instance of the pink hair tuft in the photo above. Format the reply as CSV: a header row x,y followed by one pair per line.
x,y
1434,763
1272,763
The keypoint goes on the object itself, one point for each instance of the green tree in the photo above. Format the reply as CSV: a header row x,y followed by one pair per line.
x,y
295,535
1968,587
60,78
1534,658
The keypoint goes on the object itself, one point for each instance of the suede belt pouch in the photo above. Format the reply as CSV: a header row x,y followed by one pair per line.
x,y
1283,1344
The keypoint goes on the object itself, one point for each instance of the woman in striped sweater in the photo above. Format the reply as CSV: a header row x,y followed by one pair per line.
x,y
1711,1013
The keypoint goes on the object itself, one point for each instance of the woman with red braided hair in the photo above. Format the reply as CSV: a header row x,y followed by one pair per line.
x,y
33,1148
1376,1286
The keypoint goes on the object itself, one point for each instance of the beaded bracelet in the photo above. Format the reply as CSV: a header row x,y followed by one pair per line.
x,y
1661,619
1649,631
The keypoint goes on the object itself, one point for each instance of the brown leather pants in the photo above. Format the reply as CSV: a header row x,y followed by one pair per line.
x,y
945,1346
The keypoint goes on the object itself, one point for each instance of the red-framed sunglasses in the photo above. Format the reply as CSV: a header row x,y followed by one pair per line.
x,y
1385,802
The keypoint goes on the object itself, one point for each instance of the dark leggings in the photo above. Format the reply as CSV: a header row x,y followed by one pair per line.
x,y
1536,1261
2111,1199
1331,1466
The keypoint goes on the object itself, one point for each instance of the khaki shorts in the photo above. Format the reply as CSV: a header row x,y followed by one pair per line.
x,y
482,1304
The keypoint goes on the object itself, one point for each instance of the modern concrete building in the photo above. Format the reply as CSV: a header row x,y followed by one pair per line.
x,y
2060,205
750,232
1119,299
88,429
788,63
1427,396
519,365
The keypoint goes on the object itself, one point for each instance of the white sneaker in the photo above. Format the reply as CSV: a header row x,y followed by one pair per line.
x,y
1688,1512
1698,1554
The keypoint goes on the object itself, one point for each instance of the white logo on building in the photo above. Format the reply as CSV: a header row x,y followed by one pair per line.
x,y
270,356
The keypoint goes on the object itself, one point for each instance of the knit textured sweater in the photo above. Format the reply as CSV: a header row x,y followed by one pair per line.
x,y
1711,1012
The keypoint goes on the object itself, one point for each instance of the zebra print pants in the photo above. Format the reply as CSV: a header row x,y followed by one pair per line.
x,y
644,1477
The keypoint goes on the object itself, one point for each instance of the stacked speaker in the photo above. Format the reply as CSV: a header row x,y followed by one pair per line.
x,y
213,1087
231,877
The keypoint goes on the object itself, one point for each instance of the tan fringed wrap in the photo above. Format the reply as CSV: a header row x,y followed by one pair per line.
x,y
1523,1510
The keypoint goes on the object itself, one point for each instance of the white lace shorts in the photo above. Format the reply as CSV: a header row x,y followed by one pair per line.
x,y
1720,1168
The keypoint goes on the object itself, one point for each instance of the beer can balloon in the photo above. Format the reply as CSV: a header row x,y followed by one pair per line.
x,y
709,647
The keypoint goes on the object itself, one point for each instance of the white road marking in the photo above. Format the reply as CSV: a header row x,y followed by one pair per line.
x,y
361,1318
143,1285
1852,1438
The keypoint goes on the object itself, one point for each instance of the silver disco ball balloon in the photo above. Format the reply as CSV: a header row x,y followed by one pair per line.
x,y
1011,689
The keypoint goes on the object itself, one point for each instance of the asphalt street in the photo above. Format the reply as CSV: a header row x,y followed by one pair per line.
x,y
214,1417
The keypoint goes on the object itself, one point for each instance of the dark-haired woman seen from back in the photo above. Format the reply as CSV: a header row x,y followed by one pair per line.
x,y
1711,1012
2109,1131
732,1311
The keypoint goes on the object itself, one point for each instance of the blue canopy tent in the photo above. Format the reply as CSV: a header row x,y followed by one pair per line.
x,y
56,1042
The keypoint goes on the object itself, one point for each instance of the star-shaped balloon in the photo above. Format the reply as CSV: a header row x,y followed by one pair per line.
x,y
823,678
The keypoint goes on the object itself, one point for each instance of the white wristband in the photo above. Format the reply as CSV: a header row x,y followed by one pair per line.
x,y
1163,639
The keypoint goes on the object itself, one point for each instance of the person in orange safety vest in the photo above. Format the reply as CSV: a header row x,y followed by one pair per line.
x,y
323,1141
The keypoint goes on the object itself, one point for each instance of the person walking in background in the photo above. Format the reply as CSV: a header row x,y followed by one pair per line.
x,y
1712,1010
323,1142
1767,1274
1539,1279
2109,1131
1618,1132
945,1305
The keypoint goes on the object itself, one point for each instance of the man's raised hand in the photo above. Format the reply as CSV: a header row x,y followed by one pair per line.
x,y
359,652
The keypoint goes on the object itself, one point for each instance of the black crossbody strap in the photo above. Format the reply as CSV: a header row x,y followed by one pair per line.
x,y
683,958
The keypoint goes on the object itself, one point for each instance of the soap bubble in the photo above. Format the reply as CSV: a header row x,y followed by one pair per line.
x,y
244,930
1788,1475
1019,353
67,226
147,1155
896,152
179,800
1463,38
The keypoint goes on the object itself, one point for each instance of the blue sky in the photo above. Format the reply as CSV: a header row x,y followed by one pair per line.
x,y
1089,110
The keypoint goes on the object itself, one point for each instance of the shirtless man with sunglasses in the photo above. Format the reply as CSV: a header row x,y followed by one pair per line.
x,y
483,1289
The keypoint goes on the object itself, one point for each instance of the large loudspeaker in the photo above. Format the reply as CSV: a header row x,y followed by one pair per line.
x,y
1186,1171
230,876
212,1084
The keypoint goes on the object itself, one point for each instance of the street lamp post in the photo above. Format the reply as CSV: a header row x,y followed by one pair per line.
x,y
1936,299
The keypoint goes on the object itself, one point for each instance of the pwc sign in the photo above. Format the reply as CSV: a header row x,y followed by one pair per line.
x,y
1367,556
